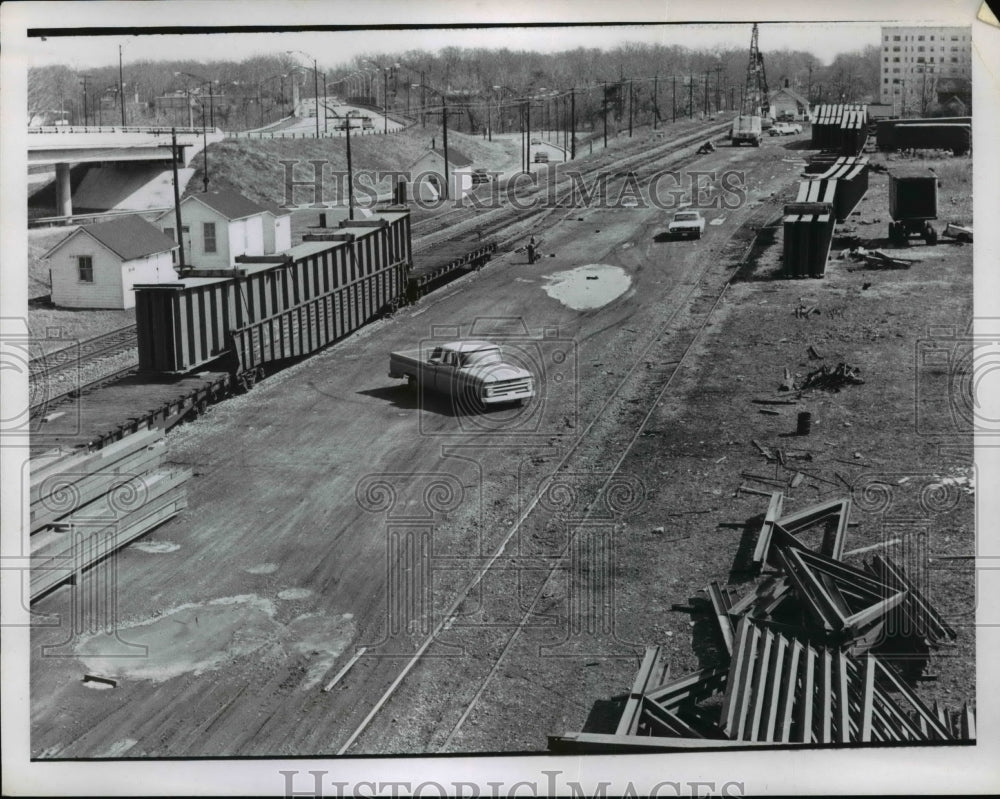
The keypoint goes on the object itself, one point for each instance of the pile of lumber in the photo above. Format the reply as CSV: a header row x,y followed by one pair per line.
x,y
798,661
84,506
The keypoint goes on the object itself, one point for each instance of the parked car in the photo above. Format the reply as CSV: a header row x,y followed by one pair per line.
x,y
541,158
686,223
473,371
480,175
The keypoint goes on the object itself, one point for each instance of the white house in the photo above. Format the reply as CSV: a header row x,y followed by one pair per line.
x,y
97,266
218,226
277,229
786,102
427,174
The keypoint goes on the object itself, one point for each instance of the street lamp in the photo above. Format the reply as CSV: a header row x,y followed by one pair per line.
x,y
211,96
444,119
315,83
385,91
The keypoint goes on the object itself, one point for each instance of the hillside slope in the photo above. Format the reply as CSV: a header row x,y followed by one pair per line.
x,y
253,166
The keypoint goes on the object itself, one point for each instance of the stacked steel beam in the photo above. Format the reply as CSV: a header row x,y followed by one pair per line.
x,y
840,126
808,234
849,177
800,667
85,506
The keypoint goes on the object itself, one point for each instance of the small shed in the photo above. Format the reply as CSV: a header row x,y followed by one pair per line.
x,y
788,103
427,174
218,226
98,266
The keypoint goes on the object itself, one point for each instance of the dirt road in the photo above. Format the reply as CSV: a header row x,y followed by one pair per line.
x,y
333,509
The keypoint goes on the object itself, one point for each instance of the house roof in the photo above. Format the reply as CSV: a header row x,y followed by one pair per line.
x,y
128,237
793,94
456,158
230,204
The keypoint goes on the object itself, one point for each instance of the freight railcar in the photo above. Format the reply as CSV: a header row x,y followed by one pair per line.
x,y
275,307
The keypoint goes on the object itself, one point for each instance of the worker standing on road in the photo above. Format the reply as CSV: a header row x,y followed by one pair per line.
x,y
532,250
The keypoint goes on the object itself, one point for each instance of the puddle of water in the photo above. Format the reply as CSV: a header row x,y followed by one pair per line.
x,y
191,638
155,547
262,568
587,287
294,593
195,638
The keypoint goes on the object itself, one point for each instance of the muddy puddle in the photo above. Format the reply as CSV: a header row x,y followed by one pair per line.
x,y
588,287
196,638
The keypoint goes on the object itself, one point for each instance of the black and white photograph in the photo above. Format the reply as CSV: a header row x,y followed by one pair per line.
x,y
466,399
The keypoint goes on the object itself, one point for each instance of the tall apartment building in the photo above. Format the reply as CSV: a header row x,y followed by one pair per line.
x,y
919,63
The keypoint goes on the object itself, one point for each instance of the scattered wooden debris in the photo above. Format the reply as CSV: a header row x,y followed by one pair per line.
x,y
959,232
831,379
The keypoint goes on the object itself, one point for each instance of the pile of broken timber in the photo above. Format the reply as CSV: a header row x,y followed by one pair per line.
x,y
876,259
84,506
800,668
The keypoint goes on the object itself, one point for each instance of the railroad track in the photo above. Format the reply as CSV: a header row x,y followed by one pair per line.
x,y
79,355
486,222
685,325
49,403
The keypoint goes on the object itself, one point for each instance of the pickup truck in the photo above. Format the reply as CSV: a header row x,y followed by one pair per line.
x,y
686,223
746,129
472,371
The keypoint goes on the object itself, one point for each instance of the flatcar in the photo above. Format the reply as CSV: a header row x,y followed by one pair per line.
x,y
269,308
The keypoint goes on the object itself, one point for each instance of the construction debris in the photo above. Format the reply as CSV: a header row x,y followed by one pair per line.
x,y
85,506
959,232
831,379
797,662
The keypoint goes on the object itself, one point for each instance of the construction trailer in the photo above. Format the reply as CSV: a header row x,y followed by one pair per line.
x,y
913,204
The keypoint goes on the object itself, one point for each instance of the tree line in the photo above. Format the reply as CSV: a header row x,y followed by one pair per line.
x,y
482,88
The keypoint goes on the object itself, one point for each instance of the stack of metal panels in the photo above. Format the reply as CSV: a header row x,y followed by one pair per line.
x,y
85,506
849,174
797,665
808,234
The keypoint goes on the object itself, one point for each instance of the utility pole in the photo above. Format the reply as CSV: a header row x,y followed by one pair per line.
x,y
527,125
718,83
656,106
385,102
604,106
707,101
86,112
177,196
690,96
444,120
572,119
809,89
630,109
673,103
121,84
350,172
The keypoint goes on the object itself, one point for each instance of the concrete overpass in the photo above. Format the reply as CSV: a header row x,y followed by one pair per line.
x,y
62,146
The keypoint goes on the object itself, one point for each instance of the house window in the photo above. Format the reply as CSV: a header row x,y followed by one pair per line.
x,y
170,232
208,230
954,60
920,38
895,60
85,268
895,38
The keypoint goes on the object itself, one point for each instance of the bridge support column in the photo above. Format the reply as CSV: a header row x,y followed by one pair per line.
x,y
64,193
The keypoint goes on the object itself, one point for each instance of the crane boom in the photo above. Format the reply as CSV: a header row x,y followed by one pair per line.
x,y
755,95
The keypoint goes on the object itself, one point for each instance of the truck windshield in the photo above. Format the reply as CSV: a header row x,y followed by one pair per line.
x,y
685,217
480,358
